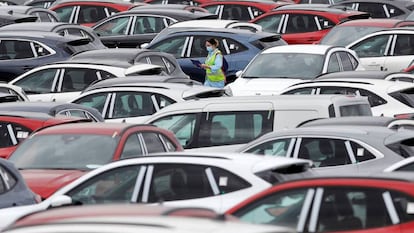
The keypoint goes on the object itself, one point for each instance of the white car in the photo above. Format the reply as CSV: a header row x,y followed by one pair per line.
x,y
13,90
64,81
218,23
276,68
214,181
387,98
387,50
405,165
128,100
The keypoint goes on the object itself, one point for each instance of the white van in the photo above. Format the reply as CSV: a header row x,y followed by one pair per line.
x,y
240,119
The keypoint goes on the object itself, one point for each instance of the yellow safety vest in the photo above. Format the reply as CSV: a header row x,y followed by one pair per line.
x,y
219,75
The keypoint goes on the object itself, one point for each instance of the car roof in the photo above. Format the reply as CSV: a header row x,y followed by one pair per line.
x,y
39,35
58,2
211,23
299,48
25,114
317,7
217,30
372,22
365,74
40,26
171,12
119,54
97,128
352,120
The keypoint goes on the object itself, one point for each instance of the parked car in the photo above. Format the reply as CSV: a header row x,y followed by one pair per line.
x,y
130,29
334,149
55,156
389,50
233,121
54,109
217,23
60,28
238,47
11,18
277,68
398,9
243,10
87,12
38,3
344,33
185,2
12,90
64,81
179,6
132,101
405,165
22,51
305,23
178,220
42,14
386,98
166,61
14,191
334,204
16,126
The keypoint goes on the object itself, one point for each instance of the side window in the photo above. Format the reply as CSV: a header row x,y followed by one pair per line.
x,y
198,48
337,90
346,61
346,209
404,45
21,49
224,128
153,142
91,14
40,82
105,75
97,101
372,47
78,79
132,147
324,152
299,23
392,11
163,101
167,66
237,12
179,182
112,186
333,64
12,134
282,208
175,46
373,99
169,144
254,12
183,126
322,22
228,182
271,23
401,202
113,27
7,181
148,24
377,10
64,13
44,17
132,104
232,46
73,112
277,147
40,50
301,91
361,153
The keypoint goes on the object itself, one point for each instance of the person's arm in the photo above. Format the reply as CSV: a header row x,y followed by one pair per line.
x,y
218,63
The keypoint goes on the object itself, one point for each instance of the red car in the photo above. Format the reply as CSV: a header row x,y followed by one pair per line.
x,y
57,155
185,2
88,12
305,23
345,33
381,204
243,10
17,126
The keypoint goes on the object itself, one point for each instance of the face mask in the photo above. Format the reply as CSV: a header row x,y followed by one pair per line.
x,y
209,48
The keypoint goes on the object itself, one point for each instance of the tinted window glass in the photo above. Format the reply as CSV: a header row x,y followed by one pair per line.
x,y
149,25
131,104
361,153
271,23
333,65
97,101
355,110
228,182
174,46
91,14
179,182
132,147
238,12
346,61
275,147
40,82
401,202
373,99
324,151
116,26
405,96
375,9
300,91
110,187
64,13
404,45
372,47
78,79
153,142
182,126
8,179
299,23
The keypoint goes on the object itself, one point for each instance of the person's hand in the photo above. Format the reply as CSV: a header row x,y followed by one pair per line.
x,y
204,66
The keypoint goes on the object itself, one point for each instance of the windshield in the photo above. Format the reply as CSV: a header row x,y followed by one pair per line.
x,y
67,151
285,65
342,36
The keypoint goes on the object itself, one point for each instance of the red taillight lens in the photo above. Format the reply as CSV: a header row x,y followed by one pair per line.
x,y
404,116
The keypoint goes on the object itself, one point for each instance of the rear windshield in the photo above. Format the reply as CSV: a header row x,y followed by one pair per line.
x,y
404,148
355,110
405,96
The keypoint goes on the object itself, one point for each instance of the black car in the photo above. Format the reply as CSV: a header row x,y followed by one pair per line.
x,y
60,28
54,109
42,14
22,51
129,29
398,9
134,56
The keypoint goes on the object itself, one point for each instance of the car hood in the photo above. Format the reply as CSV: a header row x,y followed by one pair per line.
x,y
45,182
261,86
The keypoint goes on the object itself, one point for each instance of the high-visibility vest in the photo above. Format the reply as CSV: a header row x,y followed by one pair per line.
x,y
219,75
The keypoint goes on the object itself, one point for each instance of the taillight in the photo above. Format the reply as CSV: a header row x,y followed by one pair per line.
x,y
404,116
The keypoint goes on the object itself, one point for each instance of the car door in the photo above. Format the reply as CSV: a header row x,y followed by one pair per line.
x,y
402,52
40,85
114,32
346,209
144,28
373,51
327,154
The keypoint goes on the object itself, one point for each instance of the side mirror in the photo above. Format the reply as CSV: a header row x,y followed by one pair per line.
x,y
144,45
239,73
60,201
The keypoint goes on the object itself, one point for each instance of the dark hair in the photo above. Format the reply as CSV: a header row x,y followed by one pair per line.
x,y
213,41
